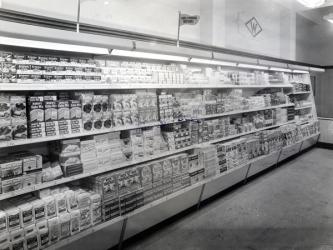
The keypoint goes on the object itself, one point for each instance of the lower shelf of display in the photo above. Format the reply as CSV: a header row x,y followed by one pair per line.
x,y
13,143
128,164
162,200
300,93
304,107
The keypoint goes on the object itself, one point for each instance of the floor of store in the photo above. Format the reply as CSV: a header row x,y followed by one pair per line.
x,y
290,207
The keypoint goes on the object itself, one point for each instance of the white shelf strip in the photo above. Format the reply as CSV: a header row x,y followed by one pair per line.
x,y
103,225
113,86
13,143
125,164
300,93
304,107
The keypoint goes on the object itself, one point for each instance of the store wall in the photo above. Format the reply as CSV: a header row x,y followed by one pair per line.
x,y
222,21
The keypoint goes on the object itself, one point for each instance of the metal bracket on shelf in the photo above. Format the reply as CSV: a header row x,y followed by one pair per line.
x,y
200,196
122,234
300,148
247,173
278,159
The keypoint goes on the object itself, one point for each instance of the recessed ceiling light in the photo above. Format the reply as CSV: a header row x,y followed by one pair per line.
x,y
106,2
312,3
329,17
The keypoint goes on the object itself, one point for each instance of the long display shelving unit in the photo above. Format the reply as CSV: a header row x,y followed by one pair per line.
x,y
244,122
127,164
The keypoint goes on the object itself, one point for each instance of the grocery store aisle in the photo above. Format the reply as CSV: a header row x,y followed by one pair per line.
x,y
290,207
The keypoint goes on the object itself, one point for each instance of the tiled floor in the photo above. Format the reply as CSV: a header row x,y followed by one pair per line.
x,y
290,207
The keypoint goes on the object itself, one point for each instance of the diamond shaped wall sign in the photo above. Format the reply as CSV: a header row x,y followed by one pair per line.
x,y
253,26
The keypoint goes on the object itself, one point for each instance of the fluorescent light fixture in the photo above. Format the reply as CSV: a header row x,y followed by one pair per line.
x,y
251,66
52,46
213,62
312,3
146,55
300,71
280,69
317,69
329,17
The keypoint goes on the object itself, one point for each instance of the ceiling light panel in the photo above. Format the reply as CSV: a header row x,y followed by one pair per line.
x,y
251,66
52,46
146,55
213,62
312,3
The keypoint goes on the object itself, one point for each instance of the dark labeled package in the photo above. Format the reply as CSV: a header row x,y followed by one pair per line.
x,y
18,108
63,110
75,109
19,130
97,124
88,125
5,109
51,110
36,108
5,130
36,129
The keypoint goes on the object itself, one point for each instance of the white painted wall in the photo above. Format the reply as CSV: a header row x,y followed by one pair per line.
x,y
222,21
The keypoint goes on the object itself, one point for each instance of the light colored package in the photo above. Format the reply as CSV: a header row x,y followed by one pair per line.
x,y
89,165
75,221
3,222
60,203
88,150
44,193
13,218
83,199
5,242
10,167
38,207
27,214
17,234
50,206
69,146
64,222
54,229
85,218
104,161
31,241
71,200
43,234
29,180
69,160
96,213
101,140
18,244
30,229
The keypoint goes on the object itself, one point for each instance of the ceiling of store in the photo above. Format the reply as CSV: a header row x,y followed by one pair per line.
x,y
315,15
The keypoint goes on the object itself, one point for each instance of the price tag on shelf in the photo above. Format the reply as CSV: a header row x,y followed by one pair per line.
x,y
10,143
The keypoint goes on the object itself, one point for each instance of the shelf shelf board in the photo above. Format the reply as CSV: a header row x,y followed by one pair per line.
x,y
304,107
300,93
104,86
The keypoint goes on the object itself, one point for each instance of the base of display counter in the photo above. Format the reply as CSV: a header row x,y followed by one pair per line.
x,y
113,232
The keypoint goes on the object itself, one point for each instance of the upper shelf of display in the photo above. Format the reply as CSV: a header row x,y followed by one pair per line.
x,y
101,86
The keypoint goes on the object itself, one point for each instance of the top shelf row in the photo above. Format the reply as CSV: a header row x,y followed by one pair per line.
x,y
20,71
